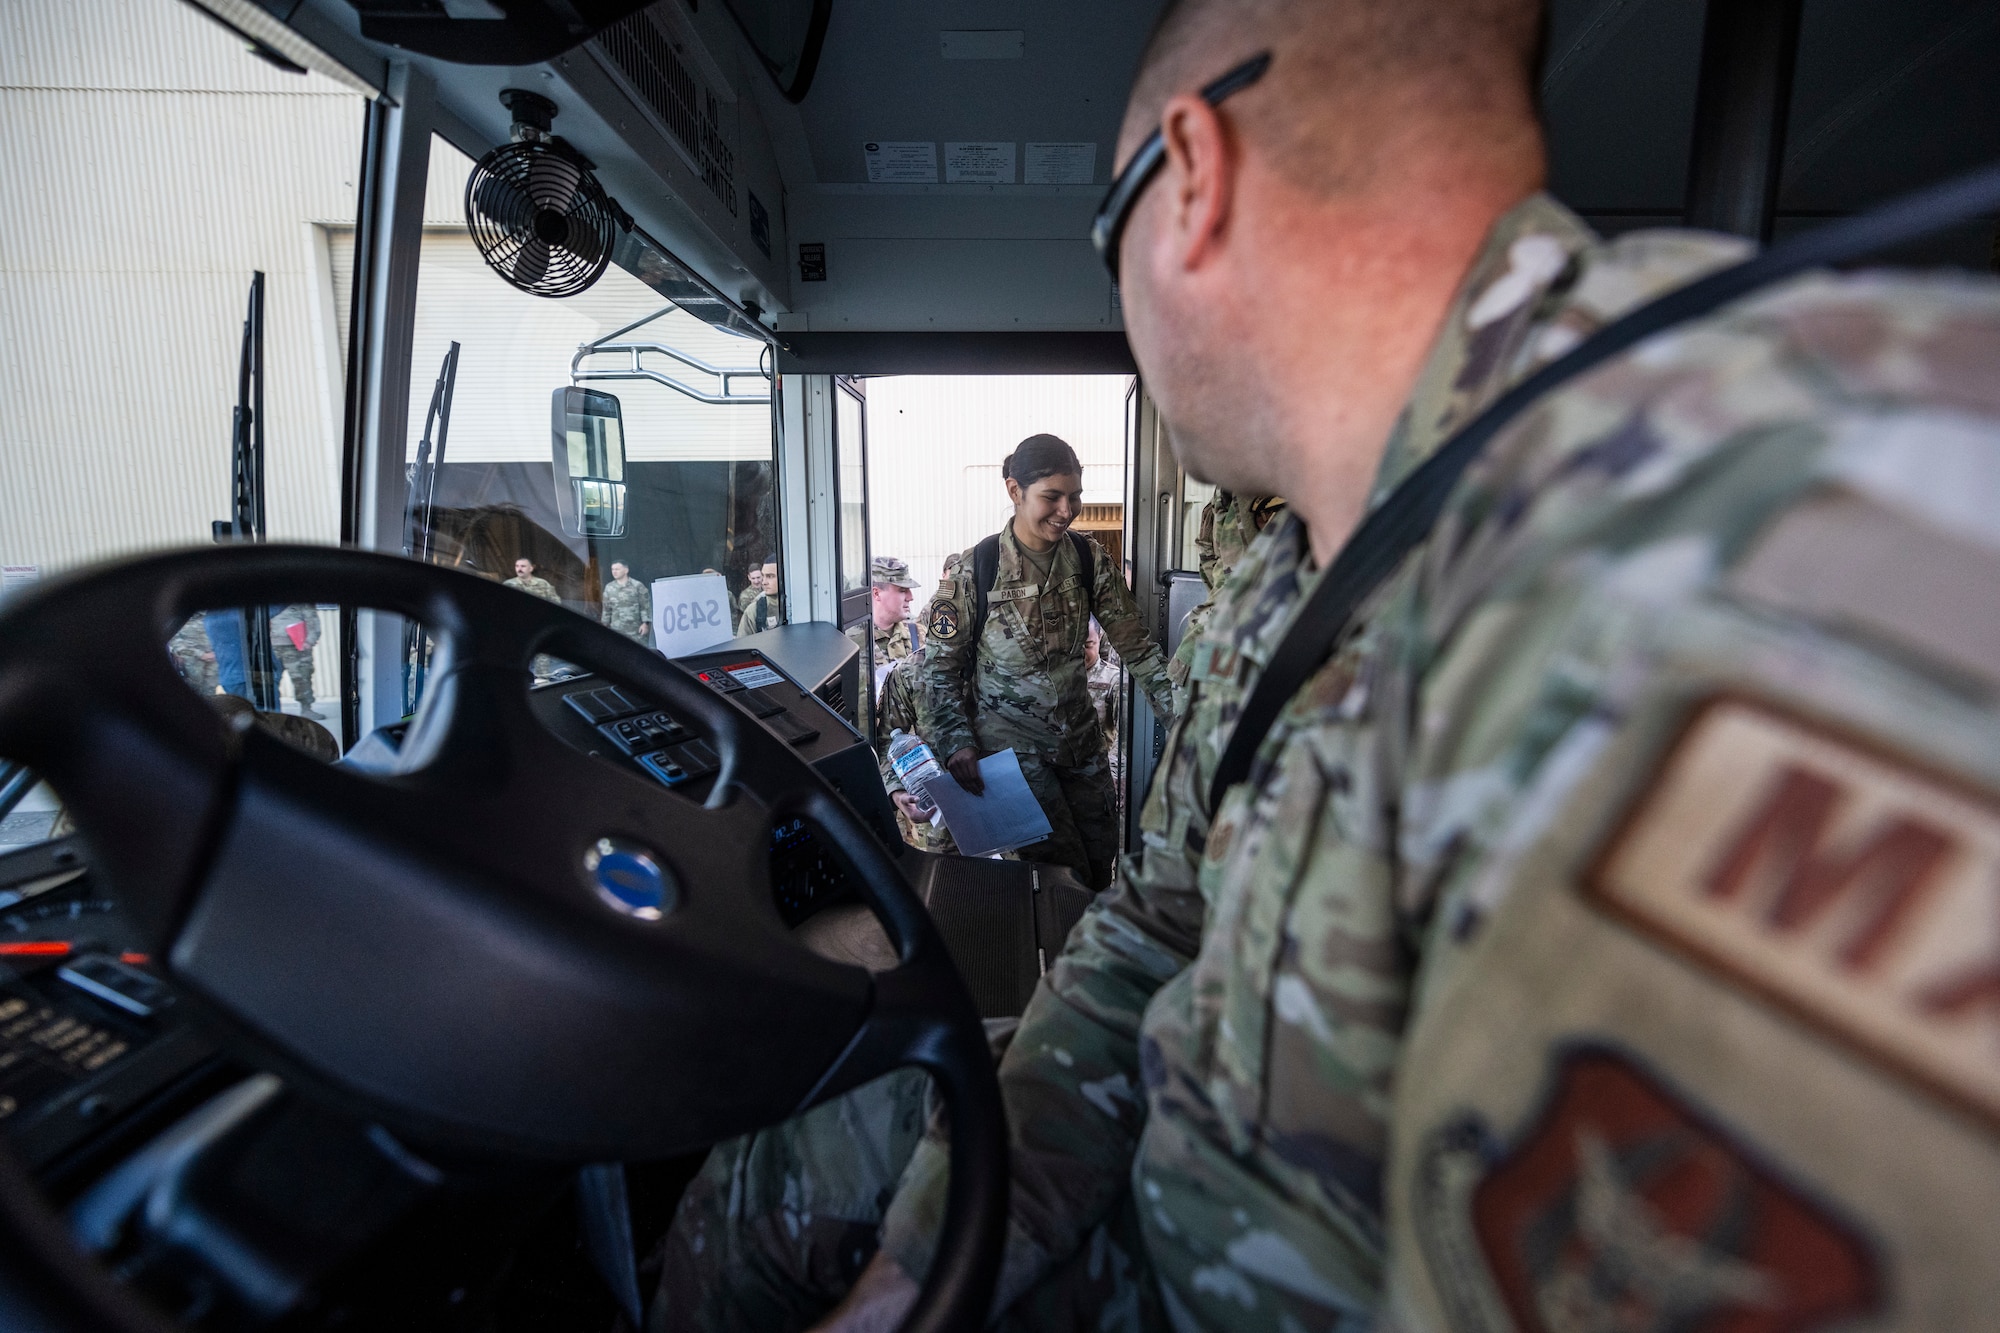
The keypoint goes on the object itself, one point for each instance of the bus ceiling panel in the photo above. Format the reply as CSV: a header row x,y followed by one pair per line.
x,y
1885,97
955,354
697,170
891,74
992,284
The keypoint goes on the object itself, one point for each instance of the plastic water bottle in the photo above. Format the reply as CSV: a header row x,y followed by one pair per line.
x,y
915,765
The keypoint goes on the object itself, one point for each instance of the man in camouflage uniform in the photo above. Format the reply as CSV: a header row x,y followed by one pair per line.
x,y
896,710
889,589
751,591
628,604
194,657
524,578
1106,680
1229,523
1581,953
297,661
767,609
1022,686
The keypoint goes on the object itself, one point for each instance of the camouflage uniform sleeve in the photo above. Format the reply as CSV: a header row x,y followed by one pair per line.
x,y
1119,615
1071,1079
896,712
949,664
310,614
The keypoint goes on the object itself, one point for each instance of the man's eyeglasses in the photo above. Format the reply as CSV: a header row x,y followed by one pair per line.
x,y
1116,210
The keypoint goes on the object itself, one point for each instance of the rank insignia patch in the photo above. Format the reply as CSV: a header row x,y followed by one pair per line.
x,y
1620,1207
944,621
1851,886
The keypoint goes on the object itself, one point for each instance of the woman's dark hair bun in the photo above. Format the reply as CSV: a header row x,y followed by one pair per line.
x,y
1040,456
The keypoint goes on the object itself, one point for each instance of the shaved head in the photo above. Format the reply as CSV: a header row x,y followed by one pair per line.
x,y
1284,273
1353,82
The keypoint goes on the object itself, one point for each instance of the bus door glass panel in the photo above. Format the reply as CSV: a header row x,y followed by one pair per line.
x,y
850,442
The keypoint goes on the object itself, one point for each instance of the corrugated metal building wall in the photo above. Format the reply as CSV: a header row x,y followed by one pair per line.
x,y
149,165
935,443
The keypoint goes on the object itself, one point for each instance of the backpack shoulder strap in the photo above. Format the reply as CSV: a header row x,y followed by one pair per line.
x,y
1400,523
985,569
1087,561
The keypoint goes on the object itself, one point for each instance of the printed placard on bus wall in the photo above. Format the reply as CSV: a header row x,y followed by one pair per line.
x,y
986,163
1060,164
903,162
691,613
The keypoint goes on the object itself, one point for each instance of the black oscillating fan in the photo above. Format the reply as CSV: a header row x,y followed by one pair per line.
x,y
536,211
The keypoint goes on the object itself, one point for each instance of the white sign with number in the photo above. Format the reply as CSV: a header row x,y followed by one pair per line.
x,y
691,613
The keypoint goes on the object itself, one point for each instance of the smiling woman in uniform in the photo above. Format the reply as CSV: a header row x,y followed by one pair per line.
x,y
1019,678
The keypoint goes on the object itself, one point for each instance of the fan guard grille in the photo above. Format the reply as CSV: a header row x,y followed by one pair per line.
x,y
539,218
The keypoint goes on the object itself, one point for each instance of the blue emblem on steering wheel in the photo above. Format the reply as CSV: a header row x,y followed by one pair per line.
x,y
627,877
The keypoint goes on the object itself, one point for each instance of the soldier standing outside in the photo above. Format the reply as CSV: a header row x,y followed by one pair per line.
x,y
766,610
295,632
524,578
195,656
628,604
751,591
897,710
1018,680
1106,680
889,590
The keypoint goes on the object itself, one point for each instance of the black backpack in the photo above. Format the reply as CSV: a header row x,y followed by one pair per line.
x,y
986,568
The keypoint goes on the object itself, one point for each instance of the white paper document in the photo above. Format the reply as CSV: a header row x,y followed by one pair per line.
x,y
1006,816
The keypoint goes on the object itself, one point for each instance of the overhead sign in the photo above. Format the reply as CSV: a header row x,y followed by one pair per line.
x,y
691,613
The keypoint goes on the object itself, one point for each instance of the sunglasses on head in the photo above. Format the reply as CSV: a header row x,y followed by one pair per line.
x,y
1116,210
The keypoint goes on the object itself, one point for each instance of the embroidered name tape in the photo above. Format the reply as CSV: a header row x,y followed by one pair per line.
x,y
1856,889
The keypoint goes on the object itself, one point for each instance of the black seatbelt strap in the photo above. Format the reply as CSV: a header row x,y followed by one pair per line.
x,y
1401,522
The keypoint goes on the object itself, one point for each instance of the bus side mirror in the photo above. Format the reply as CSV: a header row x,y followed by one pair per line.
x,y
588,448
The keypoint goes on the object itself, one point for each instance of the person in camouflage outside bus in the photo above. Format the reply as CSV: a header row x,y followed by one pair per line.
x,y
628,604
751,590
295,654
767,609
194,657
524,579
1106,680
1229,523
1019,681
888,638
896,710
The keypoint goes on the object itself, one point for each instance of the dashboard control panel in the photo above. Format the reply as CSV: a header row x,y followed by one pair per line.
x,y
89,1034
619,724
